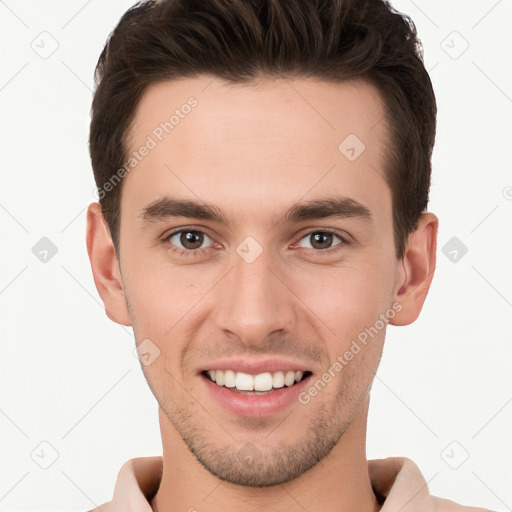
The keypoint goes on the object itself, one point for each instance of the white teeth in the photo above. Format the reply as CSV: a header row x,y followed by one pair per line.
x,y
289,378
244,382
219,377
229,378
261,382
278,380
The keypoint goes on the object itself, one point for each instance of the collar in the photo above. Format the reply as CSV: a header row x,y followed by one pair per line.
x,y
396,481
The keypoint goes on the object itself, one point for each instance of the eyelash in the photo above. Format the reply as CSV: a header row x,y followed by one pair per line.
x,y
199,252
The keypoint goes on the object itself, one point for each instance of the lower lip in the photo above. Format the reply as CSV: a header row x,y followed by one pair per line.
x,y
255,406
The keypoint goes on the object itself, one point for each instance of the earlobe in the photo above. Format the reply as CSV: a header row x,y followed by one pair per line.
x,y
105,267
417,270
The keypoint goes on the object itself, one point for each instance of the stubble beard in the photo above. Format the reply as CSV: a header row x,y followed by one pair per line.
x,y
256,466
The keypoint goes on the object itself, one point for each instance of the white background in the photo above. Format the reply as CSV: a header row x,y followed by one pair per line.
x,y
68,375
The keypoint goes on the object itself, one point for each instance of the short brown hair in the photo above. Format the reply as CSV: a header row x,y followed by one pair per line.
x,y
243,40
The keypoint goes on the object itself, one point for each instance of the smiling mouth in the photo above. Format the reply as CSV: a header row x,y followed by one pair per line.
x,y
260,384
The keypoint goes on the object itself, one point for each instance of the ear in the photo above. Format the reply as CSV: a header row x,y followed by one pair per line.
x,y
105,267
416,270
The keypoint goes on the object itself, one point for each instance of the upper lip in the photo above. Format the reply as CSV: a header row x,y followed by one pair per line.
x,y
254,366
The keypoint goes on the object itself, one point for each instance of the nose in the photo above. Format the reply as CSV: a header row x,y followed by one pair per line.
x,y
255,301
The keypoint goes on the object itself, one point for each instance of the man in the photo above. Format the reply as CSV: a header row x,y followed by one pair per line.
x,y
263,170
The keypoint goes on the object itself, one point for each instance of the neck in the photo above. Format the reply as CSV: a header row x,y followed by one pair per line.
x,y
338,482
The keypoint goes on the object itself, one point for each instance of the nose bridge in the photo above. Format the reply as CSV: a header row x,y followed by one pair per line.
x,y
254,301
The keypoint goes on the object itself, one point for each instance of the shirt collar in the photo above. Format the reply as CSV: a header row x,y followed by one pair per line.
x,y
395,480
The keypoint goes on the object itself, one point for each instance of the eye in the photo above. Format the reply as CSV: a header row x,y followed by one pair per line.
x,y
322,241
188,242
192,242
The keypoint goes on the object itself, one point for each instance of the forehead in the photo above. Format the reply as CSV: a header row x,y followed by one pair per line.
x,y
275,139
304,107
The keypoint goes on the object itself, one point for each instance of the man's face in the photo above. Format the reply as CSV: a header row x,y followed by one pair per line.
x,y
264,293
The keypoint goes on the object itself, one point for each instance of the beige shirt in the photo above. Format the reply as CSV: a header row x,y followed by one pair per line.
x,y
397,482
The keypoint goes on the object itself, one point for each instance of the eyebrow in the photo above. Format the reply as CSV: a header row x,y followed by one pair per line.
x,y
167,208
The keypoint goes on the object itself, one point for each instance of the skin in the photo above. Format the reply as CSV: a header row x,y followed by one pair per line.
x,y
254,151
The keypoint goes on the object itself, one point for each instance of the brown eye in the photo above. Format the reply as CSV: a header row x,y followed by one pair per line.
x,y
321,240
188,239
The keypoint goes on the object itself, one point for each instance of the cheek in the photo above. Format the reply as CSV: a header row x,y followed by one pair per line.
x,y
347,299
353,310
161,294
340,301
